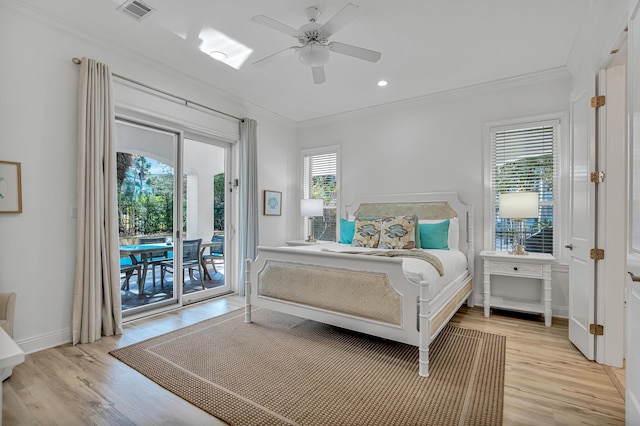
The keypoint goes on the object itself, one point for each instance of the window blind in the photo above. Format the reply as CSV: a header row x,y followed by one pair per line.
x,y
524,158
320,182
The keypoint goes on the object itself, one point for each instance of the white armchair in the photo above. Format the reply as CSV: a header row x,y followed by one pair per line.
x,y
7,310
10,353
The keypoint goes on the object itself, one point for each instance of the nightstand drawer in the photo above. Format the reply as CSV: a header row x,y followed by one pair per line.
x,y
511,268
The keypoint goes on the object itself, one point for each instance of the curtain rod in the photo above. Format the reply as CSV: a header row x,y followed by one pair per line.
x,y
186,101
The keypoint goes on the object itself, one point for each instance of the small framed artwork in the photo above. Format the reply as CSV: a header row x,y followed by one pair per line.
x,y
10,187
272,203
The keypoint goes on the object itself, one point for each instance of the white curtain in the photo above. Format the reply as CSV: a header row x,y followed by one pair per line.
x,y
249,208
97,306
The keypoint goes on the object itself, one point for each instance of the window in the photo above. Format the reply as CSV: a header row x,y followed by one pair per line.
x,y
320,181
524,157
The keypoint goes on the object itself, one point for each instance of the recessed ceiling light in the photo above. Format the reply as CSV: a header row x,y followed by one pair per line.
x,y
382,83
218,56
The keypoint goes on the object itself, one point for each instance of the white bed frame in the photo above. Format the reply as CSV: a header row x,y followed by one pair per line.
x,y
269,279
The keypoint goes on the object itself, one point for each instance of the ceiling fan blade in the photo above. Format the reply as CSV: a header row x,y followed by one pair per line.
x,y
269,59
275,25
356,52
340,19
318,75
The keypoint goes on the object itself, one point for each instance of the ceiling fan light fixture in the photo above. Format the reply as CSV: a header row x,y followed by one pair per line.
x,y
314,55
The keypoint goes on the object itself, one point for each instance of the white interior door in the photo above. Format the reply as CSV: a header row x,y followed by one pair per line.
x,y
632,399
582,231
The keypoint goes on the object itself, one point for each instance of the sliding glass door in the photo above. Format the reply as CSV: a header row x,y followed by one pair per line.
x,y
147,179
205,214
172,216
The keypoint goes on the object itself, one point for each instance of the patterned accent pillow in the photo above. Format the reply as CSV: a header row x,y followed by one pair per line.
x,y
398,232
367,233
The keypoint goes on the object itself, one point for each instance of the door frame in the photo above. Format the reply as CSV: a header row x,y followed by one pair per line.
x,y
612,212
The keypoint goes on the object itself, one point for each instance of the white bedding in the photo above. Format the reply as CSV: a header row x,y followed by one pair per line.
x,y
454,264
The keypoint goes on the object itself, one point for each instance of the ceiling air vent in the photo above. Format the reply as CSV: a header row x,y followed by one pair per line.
x,y
135,9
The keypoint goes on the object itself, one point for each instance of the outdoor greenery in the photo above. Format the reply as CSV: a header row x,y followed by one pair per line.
x,y
218,202
145,201
534,173
528,174
324,187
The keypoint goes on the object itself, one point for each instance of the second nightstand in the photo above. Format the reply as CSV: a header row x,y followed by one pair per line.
x,y
304,243
532,265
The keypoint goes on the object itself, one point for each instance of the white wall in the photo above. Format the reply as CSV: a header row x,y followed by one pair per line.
x,y
38,108
436,144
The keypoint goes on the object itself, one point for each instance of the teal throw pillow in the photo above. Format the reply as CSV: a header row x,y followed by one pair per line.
x,y
347,229
435,235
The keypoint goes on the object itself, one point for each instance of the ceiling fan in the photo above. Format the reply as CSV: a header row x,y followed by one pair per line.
x,y
314,38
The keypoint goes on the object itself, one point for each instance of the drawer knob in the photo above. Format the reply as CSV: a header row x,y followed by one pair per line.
x,y
515,268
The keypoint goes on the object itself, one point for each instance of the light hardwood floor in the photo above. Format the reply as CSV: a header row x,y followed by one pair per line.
x,y
547,381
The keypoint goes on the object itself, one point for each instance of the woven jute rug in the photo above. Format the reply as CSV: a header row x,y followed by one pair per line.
x,y
283,370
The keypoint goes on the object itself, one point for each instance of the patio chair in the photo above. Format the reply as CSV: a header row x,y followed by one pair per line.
x,y
127,269
216,253
157,257
190,260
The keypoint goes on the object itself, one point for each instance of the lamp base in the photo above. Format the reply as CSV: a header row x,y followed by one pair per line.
x,y
310,238
518,250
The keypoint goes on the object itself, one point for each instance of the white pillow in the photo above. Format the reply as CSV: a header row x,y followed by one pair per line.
x,y
454,231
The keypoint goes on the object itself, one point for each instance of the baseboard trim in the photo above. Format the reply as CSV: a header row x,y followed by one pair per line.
x,y
45,341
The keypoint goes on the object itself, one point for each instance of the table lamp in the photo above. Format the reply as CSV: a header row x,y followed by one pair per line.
x,y
518,206
310,208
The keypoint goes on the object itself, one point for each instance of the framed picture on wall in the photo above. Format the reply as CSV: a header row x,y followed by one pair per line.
x,y
10,187
272,203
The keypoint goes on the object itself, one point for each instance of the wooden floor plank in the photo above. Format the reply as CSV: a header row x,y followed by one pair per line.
x,y
547,380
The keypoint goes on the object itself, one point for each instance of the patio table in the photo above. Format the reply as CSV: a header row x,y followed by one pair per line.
x,y
146,252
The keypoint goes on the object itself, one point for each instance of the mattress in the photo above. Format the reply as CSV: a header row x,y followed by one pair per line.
x,y
418,271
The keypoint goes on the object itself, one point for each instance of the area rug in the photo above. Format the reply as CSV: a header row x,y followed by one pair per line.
x,y
283,370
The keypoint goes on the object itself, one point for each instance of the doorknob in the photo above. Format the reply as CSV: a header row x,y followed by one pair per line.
x,y
569,246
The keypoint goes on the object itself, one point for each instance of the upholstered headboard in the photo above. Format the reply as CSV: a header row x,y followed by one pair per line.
x,y
422,209
429,206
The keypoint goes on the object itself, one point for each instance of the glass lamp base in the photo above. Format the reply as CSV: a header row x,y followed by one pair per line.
x,y
518,250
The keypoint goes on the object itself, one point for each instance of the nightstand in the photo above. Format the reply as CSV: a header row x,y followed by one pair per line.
x,y
304,243
532,265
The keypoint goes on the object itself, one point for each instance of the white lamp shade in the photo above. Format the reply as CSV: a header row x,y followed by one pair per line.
x,y
518,205
311,207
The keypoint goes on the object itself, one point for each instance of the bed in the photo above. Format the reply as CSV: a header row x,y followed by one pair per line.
x,y
385,296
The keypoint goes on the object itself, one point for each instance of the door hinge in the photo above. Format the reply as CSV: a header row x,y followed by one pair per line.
x,y
597,177
596,329
597,101
597,254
